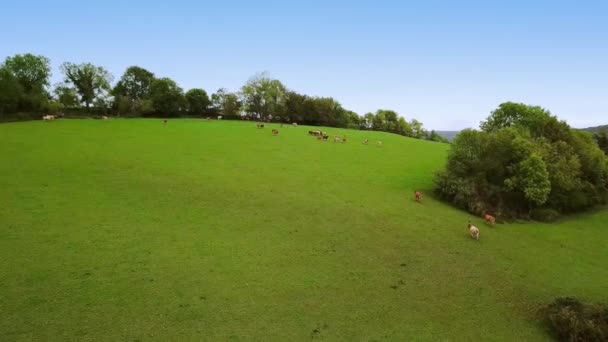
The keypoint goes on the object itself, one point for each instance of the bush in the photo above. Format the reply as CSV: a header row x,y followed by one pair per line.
x,y
544,215
524,162
570,320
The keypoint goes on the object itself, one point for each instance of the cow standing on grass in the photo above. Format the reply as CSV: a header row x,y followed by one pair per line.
x,y
474,231
491,220
418,196
275,132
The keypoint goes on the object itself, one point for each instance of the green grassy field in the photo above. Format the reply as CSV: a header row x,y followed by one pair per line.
x,y
126,230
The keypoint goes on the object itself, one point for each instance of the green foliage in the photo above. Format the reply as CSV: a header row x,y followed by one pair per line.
x,y
54,107
434,136
167,97
226,103
10,91
66,95
138,93
263,97
134,84
198,102
90,82
569,320
511,114
32,73
601,138
524,160
532,179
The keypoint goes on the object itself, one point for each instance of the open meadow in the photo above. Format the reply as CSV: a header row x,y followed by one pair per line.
x,y
133,230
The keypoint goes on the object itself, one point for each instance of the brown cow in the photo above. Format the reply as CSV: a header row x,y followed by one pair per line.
x,y
418,196
491,220
275,132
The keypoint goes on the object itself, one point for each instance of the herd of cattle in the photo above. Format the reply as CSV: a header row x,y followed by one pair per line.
x,y
320,135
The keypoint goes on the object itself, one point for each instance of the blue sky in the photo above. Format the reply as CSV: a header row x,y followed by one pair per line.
x,y
446,63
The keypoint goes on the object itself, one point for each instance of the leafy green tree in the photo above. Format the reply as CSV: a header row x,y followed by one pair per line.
x,y
66,95
510,113
532,178
417,131
533,162
10,91
167,97
32,72
198,101
404,128
264,97
135,84
226,103
91,82
368,121
379,121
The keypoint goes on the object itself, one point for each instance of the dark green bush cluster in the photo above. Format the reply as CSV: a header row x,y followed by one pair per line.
x,y
567,319
524,163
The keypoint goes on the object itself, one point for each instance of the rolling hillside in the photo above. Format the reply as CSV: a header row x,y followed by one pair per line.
x,y
211,230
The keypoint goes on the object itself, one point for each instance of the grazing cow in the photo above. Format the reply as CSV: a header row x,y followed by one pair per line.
x,y
366,141
336,139
474,231
259,125
314,133
275,132
48,117
491,220
378,143
418,196
104,117
324,135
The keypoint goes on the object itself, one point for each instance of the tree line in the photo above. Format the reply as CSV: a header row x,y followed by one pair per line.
x,y
524,163
25,87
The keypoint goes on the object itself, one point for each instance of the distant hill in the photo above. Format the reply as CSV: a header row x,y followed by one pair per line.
x,y
593,129
448,134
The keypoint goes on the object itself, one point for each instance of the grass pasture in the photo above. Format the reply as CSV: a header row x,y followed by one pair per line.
x,y
125,230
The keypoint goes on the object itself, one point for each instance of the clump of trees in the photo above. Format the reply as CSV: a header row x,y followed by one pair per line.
x,y
87,89
524,163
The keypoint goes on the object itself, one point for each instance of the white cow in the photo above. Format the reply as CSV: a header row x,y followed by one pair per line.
x,y
474,231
